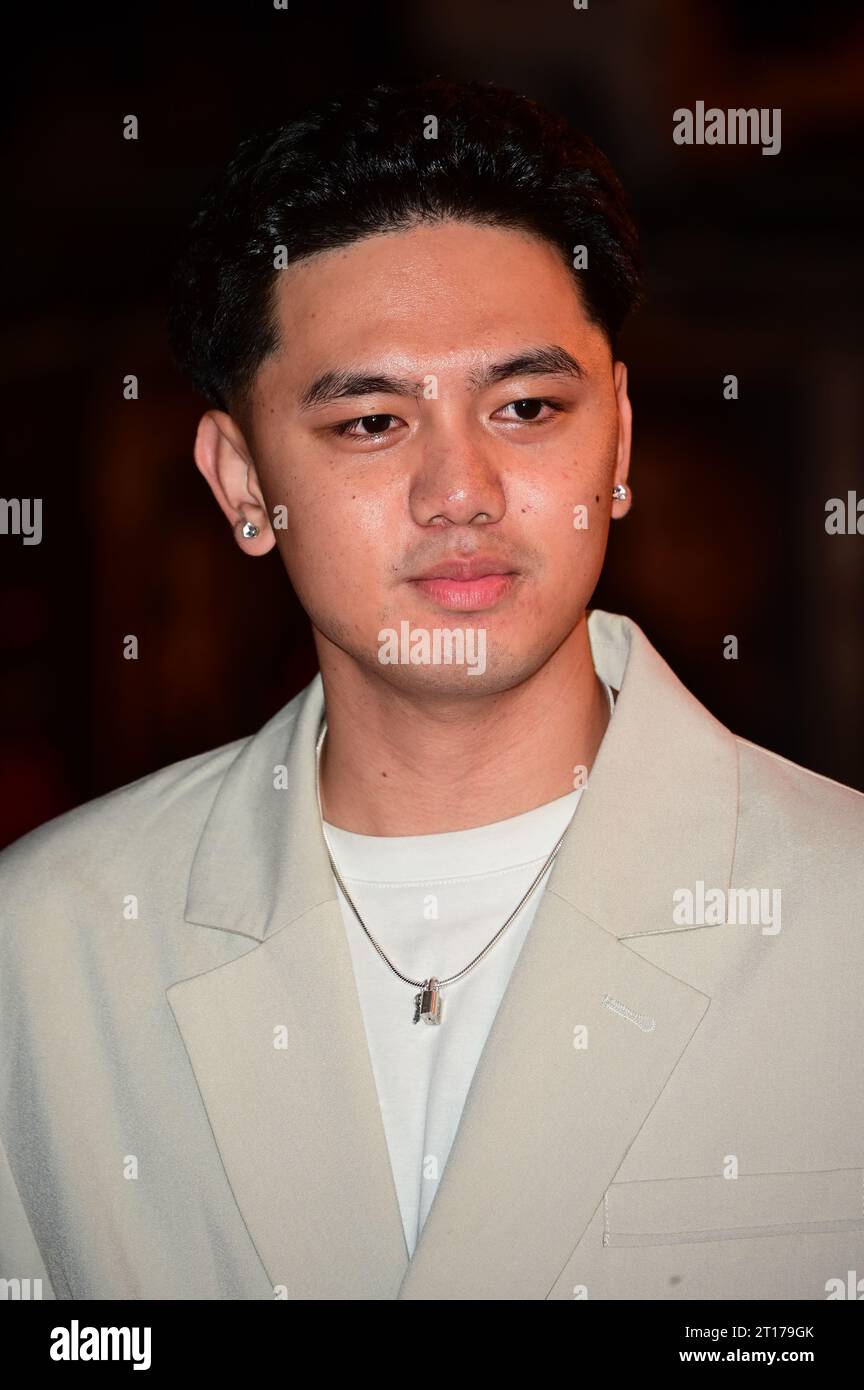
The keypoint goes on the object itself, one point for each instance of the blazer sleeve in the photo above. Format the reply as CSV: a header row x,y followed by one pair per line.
x,y
20,1256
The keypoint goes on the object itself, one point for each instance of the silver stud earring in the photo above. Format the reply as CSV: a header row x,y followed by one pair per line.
x,y
619,492
250,530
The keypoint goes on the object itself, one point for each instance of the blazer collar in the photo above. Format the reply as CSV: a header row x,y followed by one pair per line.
x,y
660,807
545,1126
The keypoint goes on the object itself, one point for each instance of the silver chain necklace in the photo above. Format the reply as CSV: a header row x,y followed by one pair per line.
x,y
428,1002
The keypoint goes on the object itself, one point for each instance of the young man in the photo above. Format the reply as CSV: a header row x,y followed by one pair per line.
x,y
561,998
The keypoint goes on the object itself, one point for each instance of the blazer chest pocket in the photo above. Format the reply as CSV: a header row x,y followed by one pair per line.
x,y
667,1211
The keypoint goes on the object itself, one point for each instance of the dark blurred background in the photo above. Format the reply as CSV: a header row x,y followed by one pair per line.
x,y
753,265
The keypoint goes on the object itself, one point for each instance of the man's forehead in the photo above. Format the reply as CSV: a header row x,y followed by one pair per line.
x,y
409,276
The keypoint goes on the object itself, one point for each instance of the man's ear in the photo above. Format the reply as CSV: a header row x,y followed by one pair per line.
x,y
625,434
221,454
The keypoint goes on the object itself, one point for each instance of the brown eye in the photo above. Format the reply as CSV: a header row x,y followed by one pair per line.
x,y
372,425
529,410
375,424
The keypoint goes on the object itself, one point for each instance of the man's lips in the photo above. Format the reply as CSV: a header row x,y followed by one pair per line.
x,y
466,584
467,594
477,567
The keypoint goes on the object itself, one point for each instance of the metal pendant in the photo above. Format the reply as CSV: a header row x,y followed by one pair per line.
x,y
427,1004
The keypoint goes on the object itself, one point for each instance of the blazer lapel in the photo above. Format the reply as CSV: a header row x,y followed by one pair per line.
x,y
276,1036
560,1093
588,1032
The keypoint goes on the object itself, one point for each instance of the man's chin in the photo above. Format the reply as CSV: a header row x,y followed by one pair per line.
x,y
481,667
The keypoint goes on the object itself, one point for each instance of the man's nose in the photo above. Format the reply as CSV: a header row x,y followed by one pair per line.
x,y
457,484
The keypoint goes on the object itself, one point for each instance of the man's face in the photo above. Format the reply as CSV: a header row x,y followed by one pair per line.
x,y
432,461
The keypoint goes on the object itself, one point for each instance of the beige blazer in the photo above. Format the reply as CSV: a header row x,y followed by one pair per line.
x,y
157,942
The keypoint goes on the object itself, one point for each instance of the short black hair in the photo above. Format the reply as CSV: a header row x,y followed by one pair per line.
x,y
360,163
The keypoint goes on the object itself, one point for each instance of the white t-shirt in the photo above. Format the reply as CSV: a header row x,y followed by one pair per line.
x,y
432,902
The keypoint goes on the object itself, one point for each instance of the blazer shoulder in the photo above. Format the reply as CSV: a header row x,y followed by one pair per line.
x,y
154,809
803,805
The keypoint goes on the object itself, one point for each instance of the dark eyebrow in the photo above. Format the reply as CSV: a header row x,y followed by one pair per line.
x,y
332,386
539,361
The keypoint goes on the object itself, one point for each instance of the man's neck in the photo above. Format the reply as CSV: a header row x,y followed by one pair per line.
x,y
396,764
